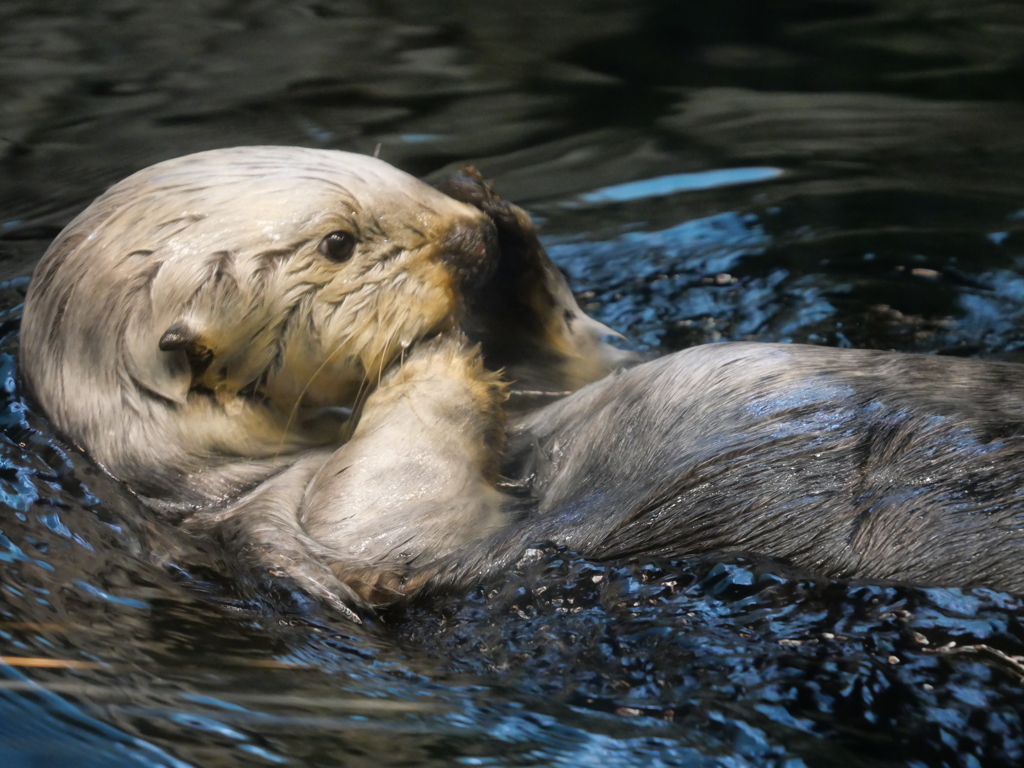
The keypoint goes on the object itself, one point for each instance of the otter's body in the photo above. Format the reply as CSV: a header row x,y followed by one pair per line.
x,y
308,353
849,463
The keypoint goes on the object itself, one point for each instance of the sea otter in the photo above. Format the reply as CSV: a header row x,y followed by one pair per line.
x,y
309,354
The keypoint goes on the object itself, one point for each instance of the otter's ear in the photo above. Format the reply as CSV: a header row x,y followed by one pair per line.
x,y
168,365
181,337
178,336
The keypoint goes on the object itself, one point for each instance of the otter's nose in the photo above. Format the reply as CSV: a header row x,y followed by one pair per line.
x,y
470,250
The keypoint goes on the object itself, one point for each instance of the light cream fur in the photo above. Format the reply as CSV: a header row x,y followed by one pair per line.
x,y
224,244
188,331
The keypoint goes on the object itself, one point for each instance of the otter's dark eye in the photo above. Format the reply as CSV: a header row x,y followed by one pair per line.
x,y
338,246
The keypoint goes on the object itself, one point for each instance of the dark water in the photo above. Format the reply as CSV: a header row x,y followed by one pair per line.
x,y
839,172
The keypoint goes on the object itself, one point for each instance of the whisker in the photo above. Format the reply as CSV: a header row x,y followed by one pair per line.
x,y
357,406
384,355
362,393
298,400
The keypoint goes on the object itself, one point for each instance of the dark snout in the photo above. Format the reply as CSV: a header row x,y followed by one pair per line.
x,y
470,250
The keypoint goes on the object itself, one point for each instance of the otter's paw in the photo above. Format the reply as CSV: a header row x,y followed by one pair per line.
x,y
315,579
525,315
263,530
447,366
515,228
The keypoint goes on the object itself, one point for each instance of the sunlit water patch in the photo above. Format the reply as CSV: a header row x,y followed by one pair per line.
x,y
645,284
746,658
660,186
744,276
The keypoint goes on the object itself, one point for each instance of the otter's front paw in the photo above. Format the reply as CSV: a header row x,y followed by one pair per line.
x,y
415,483
448,373
525,315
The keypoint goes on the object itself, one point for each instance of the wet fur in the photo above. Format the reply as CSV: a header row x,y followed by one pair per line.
x,y
853,464
186,332
220,250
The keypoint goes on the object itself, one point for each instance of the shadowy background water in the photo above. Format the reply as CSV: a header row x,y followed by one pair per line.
x,y
842,172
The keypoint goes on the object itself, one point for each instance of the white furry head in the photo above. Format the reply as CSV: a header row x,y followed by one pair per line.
x,y
220,305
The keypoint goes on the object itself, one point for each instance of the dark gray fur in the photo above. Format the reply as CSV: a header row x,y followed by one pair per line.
x,y
849,463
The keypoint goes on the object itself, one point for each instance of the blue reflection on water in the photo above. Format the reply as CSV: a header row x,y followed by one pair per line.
x,y
641,282
679,182
97,592
419,138
43,729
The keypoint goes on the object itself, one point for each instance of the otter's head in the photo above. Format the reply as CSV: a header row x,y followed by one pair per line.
x,y
218,305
